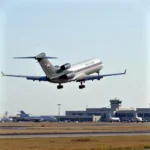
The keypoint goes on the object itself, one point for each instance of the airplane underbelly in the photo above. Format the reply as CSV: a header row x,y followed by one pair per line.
x,y
80,76
59,81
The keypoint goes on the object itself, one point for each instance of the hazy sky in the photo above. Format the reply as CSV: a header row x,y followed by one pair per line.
x,y
115,31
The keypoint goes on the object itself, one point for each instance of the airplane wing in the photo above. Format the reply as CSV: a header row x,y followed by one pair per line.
x,y
38,78
98,77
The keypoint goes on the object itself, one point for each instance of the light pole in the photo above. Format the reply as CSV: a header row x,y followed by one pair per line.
x,y
59,111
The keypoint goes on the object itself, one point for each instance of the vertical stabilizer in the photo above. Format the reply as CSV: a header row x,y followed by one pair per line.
x,y
23,114
46,65
109,115
136,115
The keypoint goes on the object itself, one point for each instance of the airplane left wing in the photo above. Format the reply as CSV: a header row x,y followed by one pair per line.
x,y
38,78
98,77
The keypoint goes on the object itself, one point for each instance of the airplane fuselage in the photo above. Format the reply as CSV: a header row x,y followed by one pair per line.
x,y
81,70
115,119
40,118
139,119
5,120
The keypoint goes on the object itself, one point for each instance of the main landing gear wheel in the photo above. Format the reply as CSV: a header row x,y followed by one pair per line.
x,y
59,86
81,86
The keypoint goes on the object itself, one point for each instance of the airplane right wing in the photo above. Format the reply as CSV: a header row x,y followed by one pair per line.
x,y
98,77
38,78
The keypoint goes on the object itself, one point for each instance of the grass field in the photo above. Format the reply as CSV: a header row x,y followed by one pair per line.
x,y
80,143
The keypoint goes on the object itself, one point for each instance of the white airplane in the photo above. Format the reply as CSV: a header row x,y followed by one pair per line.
x,y
6,119
113,119
26,117
79,72
138,119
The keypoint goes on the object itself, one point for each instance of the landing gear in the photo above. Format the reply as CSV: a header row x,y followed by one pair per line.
x,y
81,86
59,86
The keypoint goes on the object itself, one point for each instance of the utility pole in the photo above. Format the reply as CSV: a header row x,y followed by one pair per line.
x,y
59,112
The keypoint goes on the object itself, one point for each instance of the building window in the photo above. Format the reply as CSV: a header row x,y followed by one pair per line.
x,y
124,115
89,114
130,115
147,115
97,114
140,114
74,114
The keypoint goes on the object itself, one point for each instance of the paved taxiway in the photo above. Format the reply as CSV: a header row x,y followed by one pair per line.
x,y
13,127
75,134
17,127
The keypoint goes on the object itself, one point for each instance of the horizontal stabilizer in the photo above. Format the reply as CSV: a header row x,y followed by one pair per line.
x,y
24,57
46,57
40,56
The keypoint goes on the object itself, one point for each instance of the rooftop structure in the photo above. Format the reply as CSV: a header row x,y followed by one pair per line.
x,y
115,104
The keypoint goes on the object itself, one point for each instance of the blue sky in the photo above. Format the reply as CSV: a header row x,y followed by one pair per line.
x,y
116,32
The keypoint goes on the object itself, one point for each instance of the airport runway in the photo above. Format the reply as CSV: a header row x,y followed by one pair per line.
x,y
75,134
13,127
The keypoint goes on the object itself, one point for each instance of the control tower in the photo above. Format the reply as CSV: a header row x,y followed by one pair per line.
x,y
115,104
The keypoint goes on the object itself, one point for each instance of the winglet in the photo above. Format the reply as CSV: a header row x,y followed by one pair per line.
x,y
125,71
2,73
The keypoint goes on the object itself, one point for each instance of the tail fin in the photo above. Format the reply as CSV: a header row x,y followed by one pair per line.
x,y
136,115
23,114
109,115
47,67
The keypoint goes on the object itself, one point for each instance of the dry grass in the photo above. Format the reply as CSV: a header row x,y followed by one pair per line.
x,y
81,143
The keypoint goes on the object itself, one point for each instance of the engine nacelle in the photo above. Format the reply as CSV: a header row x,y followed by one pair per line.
x,y
65,66
69,75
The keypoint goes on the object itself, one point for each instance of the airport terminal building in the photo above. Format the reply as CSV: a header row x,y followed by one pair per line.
x,y
102,114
